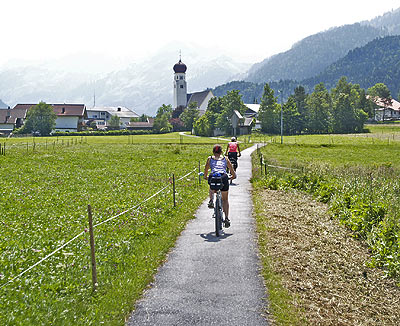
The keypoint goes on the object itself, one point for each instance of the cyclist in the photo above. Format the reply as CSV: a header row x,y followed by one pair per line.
x,y
233,152
219,164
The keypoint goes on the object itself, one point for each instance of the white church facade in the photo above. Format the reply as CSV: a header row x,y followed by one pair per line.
x,y
181,97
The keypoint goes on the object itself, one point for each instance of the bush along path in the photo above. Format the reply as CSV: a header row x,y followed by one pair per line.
x,y
208,280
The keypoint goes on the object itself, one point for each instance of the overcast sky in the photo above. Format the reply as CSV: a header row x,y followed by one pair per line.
x,y
247,30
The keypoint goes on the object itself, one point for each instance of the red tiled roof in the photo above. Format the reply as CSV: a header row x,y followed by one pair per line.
x,y
60,109
148,124
11,116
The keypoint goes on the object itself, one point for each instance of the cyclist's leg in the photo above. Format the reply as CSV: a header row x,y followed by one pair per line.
x,y
211,201
224,194
225,203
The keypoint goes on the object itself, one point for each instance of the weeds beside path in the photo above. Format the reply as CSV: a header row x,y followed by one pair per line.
x,y
319,267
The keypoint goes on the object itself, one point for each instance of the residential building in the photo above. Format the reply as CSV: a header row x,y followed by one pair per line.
x,y
105,113
11,119
386,110
141,125
70,117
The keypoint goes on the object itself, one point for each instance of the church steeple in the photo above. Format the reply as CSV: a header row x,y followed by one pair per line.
x,y
180,87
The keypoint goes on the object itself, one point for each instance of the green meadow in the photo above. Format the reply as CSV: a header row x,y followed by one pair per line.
x,y
47,185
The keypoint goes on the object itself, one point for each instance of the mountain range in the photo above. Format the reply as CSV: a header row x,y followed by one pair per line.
x,y
365,52
376,62
310,56
145,85
142,86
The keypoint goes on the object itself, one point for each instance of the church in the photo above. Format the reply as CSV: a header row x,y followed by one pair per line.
x,y
181,98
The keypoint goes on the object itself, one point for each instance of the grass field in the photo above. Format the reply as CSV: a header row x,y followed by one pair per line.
x,y
357,175
45,191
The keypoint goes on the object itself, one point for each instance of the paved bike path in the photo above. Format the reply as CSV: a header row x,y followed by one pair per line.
x,y
208,280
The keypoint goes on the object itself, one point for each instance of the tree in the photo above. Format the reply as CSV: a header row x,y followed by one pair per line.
x,y
230,102
114,123
40,119
204,125
291,117
177,124
319,106
189,116
269,111
161,121
300,98
347,112
215,105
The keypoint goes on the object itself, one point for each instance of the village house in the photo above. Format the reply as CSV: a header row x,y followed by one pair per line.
x,y
141,125
386,110
241,125
101,115
11,119
70,117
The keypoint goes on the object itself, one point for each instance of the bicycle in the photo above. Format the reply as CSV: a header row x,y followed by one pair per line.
x,y
216,185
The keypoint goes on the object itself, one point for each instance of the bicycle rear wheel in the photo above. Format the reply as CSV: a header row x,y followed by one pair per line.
x,y
218,217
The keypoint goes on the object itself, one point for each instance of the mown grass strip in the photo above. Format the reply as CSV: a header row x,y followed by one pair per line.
x,y
282,309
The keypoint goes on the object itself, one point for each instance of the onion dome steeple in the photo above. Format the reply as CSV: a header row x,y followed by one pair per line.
x,y
180,67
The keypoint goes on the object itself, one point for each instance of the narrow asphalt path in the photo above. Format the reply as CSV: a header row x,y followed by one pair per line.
x,y
208,280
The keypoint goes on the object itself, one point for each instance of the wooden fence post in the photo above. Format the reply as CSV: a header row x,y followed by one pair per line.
x,y
92,253
173,188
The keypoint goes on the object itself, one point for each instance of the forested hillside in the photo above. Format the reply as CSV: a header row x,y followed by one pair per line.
x,y
313,54
376,62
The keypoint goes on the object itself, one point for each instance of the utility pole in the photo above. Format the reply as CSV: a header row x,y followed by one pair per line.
x,y
281,93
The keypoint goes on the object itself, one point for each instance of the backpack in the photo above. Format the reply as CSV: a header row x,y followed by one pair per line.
x,y
215,181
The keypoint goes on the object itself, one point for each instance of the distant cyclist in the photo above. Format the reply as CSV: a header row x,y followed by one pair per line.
x,y
233,152
219,164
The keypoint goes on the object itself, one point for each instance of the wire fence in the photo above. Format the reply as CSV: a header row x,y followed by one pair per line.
x,y
264,165
134,208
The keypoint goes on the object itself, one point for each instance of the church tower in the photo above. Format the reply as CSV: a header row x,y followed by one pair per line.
x,y
180,88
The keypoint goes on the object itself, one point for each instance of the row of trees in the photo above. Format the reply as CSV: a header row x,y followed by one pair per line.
x,y
344,109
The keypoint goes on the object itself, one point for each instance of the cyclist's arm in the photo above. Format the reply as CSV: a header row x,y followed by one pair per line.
x,y
238,148
231,169
227,149
207,168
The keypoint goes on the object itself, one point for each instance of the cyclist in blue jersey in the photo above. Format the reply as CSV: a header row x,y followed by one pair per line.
x,y
218,163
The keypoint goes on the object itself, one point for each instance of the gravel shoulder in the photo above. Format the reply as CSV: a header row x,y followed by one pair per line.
x,y
321,266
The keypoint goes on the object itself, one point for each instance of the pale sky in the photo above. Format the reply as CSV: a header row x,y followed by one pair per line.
x,y
247,30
